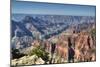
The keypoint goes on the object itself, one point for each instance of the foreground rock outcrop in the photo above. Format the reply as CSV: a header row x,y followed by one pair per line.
x,y
27,60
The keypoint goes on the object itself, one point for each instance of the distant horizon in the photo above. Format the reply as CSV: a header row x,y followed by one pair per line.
x,y
52,9
50,14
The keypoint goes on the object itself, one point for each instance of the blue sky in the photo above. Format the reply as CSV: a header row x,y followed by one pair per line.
x,y
52,9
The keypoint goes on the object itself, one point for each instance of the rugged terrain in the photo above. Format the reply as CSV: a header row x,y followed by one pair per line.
x,y
49,39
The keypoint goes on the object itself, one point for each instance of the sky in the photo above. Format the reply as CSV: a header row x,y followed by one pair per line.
x,y
19,7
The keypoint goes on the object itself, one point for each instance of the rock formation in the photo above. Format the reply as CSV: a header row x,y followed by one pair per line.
x,y
27,60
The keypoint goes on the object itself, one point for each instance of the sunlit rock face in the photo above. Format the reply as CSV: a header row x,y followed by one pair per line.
x,y
83,44
85,48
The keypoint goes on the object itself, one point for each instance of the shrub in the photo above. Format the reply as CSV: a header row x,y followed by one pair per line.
x,y
93,32
40,52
